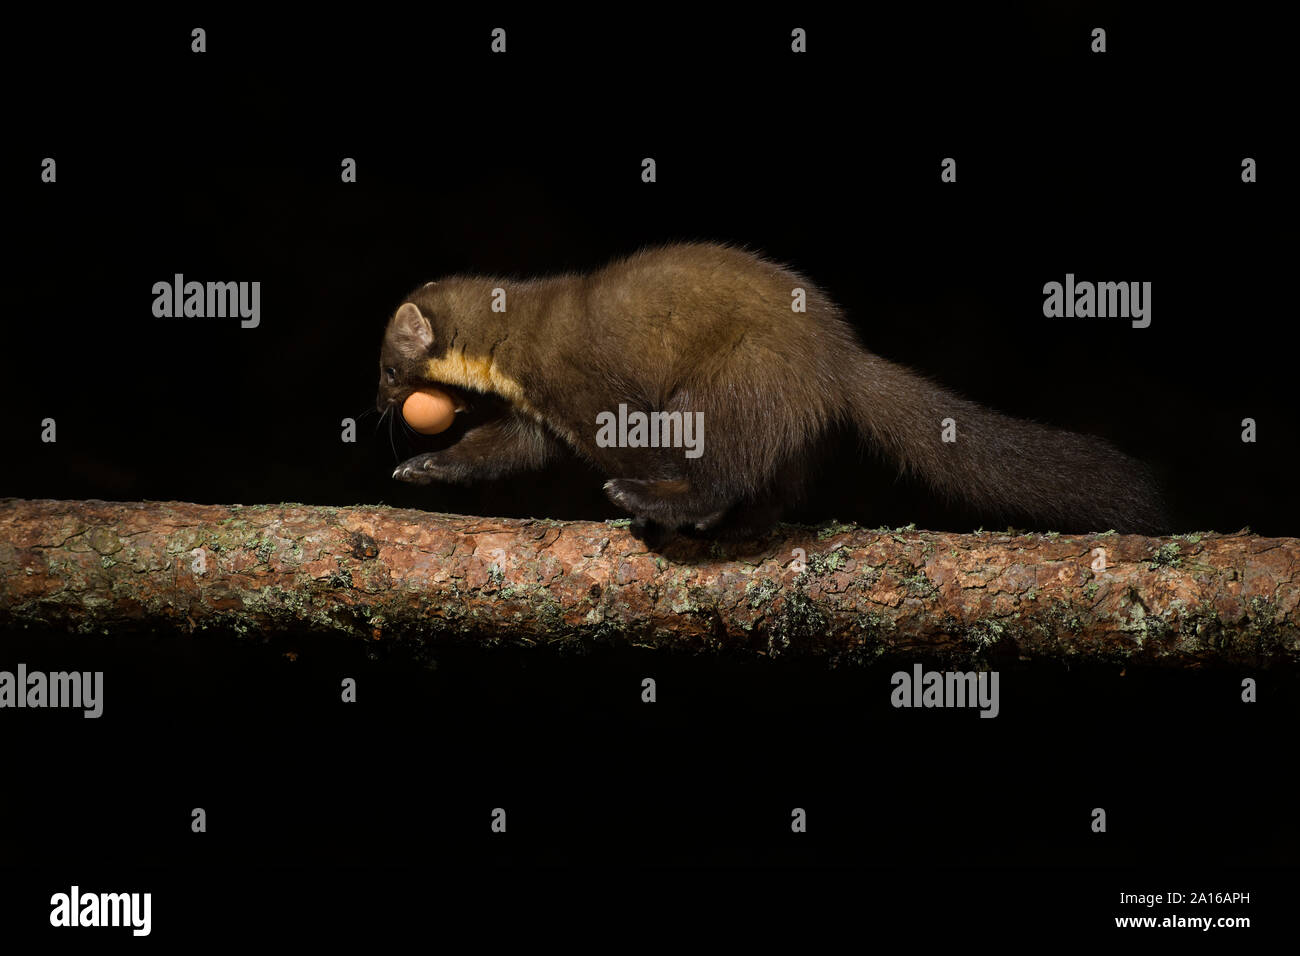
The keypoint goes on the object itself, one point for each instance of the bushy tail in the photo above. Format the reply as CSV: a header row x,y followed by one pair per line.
x,y
1004,467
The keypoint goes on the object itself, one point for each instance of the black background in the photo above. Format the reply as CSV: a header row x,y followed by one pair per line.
x,y
225,166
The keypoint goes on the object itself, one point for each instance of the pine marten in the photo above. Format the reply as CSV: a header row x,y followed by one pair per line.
x,y
684,374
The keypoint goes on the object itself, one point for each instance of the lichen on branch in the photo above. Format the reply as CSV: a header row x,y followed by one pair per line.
x,y
840,591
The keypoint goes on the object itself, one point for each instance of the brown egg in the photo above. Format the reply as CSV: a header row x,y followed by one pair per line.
x,y
430,411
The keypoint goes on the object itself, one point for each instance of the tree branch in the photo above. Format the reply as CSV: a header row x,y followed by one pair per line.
x,y
91,566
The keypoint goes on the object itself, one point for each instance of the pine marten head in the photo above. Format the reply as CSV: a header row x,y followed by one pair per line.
x,y
447,335
409,343
441,338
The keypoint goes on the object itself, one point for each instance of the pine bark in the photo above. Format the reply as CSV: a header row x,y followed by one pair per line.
x,y
840,591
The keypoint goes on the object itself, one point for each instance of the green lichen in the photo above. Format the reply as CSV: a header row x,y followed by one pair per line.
x,y
832,528
1090,590
918,585
1166,556
1262,622
827,563
495,575
550,613
872,643
800,620
1142,625
985,633
1059,616
873,622
761,592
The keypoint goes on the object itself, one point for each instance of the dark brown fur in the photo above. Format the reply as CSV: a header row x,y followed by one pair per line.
x,y
706,327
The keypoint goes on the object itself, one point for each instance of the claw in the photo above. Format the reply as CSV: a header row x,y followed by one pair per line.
x,y
615,494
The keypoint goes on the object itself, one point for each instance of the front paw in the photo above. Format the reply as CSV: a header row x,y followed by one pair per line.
x,y
616,489
425,470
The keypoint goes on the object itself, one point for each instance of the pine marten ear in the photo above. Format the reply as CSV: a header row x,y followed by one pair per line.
x,y
410,332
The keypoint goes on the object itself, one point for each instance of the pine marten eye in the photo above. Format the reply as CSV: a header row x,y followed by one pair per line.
x,y
391,375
